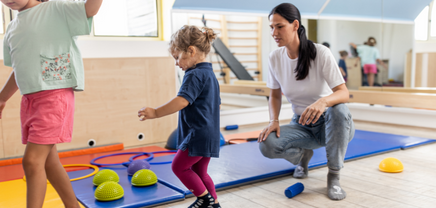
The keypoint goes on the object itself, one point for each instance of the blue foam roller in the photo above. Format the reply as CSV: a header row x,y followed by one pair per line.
x,y
231,127
294,190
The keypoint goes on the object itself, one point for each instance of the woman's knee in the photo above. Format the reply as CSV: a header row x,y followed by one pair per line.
x,y
269,148
338,112
264,148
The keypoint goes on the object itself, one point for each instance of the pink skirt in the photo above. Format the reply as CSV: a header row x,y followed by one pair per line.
x,y
370,69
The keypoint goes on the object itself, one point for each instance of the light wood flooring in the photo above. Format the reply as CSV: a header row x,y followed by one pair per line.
x,y
365,185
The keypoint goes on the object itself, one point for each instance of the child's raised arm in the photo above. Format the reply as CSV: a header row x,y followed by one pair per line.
x,y
92,7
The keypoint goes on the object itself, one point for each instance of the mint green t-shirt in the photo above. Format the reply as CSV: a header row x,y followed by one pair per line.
x,y
40,45
368,54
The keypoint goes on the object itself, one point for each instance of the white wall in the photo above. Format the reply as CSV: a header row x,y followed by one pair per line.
x,y
393,40
268,45
425,46
397,42
95,47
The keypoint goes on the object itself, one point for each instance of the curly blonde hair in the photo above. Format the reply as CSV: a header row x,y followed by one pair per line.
x,y
192,36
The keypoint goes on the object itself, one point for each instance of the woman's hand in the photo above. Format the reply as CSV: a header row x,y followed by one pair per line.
x,y
312,113
273,126
146,113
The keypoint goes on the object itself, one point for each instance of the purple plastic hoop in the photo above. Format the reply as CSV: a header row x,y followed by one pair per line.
x,y
150,157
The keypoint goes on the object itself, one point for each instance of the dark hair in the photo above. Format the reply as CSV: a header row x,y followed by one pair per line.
x,y
343,53
192,36
307,50
326,44
371,41
42,0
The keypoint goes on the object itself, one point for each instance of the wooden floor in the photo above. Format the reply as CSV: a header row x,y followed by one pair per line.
x,y
365,185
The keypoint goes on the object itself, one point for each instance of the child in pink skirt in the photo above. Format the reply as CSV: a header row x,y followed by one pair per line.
x,y
40,45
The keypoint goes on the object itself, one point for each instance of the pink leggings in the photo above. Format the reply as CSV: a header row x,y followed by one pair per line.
x,y
192,171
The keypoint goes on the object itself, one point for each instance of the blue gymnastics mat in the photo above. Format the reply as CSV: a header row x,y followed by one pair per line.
x,y
133,196
237,164
244,163
403,142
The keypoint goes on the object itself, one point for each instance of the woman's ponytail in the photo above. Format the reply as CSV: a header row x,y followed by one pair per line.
x,y
306,54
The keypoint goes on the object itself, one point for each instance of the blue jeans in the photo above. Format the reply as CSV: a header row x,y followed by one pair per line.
x,y
334,129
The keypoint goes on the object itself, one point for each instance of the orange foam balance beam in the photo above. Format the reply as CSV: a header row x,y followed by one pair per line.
x,y
93,150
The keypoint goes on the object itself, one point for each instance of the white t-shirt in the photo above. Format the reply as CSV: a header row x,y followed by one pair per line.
x,y
324,75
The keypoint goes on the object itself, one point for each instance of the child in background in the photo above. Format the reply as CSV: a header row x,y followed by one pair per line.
x,y
198,103
369,56
342,65
40,46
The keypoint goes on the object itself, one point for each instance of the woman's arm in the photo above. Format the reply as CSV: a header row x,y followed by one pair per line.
x,y
354,45
174,105
312,113
92,7
340,95
8,90
274,104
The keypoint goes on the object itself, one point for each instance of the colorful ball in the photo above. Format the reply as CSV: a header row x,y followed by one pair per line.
x,y
109,191
105,175
136,165
144,177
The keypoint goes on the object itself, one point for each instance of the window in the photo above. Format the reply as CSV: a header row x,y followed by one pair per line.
x,y
2,28
433,20
127,18
421,25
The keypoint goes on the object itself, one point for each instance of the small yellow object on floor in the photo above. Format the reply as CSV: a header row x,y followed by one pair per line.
x,y
13,194
144,177
391,165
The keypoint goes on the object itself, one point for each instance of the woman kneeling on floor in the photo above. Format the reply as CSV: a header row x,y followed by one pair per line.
x,y
307,74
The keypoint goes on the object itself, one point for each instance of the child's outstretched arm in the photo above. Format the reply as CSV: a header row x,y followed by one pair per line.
x,y
382,63
8,90
92,7
174,105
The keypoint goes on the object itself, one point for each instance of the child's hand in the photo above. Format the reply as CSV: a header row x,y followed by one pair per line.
x,y
2,106
146,113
